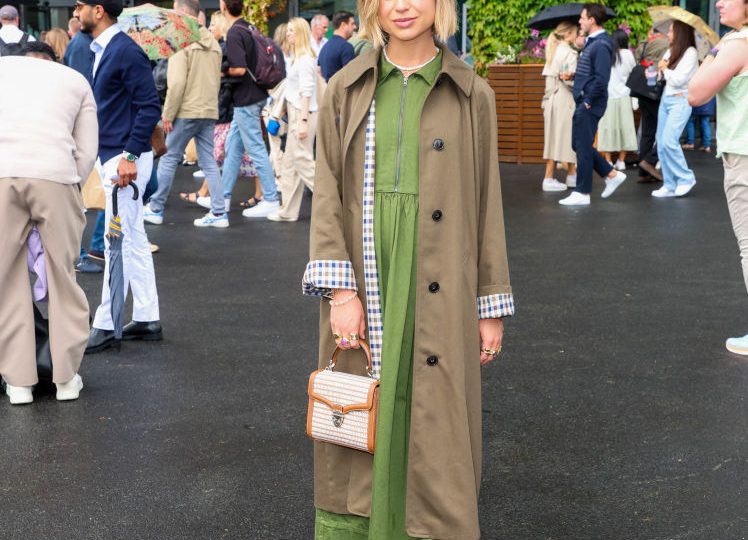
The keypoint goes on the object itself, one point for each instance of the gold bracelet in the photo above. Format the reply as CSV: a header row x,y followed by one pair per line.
x,y
333,303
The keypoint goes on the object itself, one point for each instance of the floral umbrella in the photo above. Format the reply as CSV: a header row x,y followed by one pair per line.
x,y
160,32
706,38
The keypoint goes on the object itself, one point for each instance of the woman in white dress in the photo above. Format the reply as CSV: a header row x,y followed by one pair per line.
x,y
617,132
558,105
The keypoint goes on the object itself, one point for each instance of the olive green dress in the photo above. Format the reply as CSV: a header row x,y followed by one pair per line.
x,y
399,103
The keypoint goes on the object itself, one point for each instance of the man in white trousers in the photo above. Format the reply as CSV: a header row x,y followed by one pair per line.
x,y
128,111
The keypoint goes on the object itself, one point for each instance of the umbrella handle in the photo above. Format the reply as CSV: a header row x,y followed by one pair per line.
x,y
135,196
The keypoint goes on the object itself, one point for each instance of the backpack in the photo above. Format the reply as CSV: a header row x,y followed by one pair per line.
x,y
270,67
10,49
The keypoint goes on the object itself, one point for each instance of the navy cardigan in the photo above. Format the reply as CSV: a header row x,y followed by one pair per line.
x,y
593,73
126,98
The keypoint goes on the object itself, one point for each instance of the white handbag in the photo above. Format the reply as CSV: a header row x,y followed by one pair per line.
x,y
343,407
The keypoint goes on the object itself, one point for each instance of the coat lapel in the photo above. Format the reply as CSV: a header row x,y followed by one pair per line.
x,y
108,52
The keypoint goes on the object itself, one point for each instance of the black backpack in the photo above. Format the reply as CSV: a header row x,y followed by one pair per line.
x,y
10,49
270,67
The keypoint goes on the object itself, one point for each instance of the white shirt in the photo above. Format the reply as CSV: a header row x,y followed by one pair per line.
x,y
99,45
50,131
301,81
594,34
678,78
10,33
317,47
619,74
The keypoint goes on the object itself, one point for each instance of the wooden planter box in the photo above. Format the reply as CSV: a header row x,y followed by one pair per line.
x,y
519,93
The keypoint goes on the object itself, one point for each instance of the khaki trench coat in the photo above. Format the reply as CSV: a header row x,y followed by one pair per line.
x,y
462,249
558,106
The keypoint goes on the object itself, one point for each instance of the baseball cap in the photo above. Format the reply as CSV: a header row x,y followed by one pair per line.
x,y
112,7
8,13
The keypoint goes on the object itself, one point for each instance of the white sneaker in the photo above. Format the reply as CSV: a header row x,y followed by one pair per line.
x,y
276,216
70,390
683,189
620,165
199,174
738,345
19,395
611,184
551,184
261,209
154,218
663,192
206,203
576,199
211,220
571,181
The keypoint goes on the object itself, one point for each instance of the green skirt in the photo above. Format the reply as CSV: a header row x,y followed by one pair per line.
x,y
395,237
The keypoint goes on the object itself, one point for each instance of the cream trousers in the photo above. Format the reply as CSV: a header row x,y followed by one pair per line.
x,y
736,191
298,163
57,211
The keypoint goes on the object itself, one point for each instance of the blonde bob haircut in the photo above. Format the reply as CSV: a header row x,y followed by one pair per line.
x,y
302,38
445,21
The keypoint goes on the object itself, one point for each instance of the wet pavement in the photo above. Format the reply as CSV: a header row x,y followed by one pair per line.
x,y
614,412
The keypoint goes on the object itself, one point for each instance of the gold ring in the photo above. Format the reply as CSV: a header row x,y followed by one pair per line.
x,y
488,351
353,336
336,336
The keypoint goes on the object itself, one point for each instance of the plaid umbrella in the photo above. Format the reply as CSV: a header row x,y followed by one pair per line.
x,y
706,38
116,272
160,32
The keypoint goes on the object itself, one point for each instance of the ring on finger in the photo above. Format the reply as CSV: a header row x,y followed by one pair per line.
x,y
353,336
336,335
489,352
344,342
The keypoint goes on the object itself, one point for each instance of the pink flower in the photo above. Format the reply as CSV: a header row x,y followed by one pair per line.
x,y
543,42
535,33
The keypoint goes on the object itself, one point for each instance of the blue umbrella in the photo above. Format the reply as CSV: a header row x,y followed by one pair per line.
x,y
116,272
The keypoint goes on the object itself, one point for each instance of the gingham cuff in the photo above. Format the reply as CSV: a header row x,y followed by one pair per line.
x,y
321,276
495,306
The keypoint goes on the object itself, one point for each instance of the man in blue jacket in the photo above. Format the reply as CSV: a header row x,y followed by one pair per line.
x,y
591,96
128,111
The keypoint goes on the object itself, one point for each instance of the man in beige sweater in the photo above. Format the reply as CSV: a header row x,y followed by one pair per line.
x,y
191,110
48,146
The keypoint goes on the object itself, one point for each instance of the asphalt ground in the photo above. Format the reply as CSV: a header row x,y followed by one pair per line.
x,y
614,411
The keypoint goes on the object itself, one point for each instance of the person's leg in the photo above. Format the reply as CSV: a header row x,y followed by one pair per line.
x,y
736,192
649,112
233,153
204,144
254,144
300,165
97,238
622,156
706,132
690,132
663,148
679,111
16,311
58,212
107,171
176,141
550,168
582,139
152,185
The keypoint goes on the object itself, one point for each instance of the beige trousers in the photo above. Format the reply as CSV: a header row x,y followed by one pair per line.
x,y
298,164
57,211
736,191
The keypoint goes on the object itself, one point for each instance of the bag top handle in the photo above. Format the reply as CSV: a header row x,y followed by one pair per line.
x,y
367,352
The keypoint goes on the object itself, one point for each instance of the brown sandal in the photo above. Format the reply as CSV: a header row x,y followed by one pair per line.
x,y
250,203
190,197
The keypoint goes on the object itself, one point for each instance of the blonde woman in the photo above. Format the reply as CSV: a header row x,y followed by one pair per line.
x,y
301,105
58,39
408,181
558,105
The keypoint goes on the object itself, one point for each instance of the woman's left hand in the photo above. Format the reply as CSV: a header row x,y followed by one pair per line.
x,y
491,336
303,131
662,65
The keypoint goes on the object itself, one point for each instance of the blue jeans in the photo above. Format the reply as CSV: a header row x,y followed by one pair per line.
x,y
245,134
671,119
97,237
706,130
152,185
201,129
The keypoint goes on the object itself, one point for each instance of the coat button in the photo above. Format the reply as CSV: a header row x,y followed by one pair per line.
x,y
434,287
438,144
437,215
432,360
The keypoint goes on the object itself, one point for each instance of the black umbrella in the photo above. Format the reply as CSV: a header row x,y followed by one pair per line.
x,y
116,272
550,17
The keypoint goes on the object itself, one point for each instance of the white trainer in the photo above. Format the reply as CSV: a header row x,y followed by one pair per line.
x,y
738,345
70,390
620,165
206,203
211,220
199,174
276,216
611,184
551,184
663,192
262,209
571,181
154,218
576,199
684,189
19,395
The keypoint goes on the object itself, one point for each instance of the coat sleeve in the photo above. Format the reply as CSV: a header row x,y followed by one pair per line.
x,y
86,134
176,83
138,80
329,264
495,298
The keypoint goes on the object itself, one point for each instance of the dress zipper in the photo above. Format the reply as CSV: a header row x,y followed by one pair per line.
x,y
400,132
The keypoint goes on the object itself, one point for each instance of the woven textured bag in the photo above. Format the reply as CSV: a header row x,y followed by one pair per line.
x,y
343,407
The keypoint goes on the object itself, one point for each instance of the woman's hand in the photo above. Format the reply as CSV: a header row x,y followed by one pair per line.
x,y
347,319
491,336
662,65
303,129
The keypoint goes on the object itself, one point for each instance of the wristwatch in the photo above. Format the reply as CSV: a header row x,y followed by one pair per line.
x,y
129,157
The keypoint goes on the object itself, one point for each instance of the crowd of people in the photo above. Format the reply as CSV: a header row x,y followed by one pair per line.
x,y
593,89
